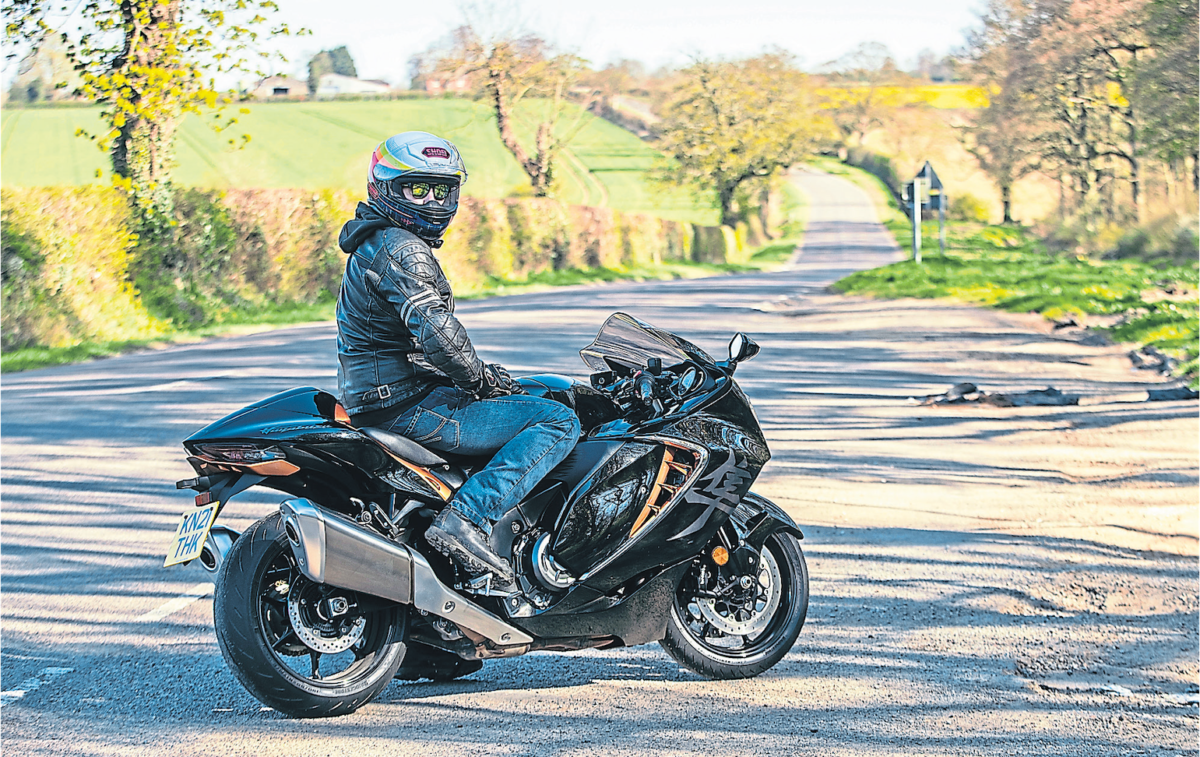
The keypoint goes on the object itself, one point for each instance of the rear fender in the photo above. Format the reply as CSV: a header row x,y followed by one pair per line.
x,y
757,517
223,486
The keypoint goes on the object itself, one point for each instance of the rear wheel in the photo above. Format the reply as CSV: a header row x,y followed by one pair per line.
x,y
726,630
306,649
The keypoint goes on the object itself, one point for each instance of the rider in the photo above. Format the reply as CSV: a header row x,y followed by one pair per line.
x,y
405,363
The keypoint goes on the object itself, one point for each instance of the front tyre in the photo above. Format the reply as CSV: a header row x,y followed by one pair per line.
x,y
308,650
722,633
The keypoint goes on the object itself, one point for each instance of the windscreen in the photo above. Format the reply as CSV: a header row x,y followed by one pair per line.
x,y
627,342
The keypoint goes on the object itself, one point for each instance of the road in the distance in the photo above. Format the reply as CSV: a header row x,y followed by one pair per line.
x,y
976,588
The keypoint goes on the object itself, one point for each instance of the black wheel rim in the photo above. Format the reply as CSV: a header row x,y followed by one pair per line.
x,y
279,581
735,647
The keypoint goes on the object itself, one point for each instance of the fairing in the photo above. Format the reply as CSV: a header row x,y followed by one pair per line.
x,y
625,342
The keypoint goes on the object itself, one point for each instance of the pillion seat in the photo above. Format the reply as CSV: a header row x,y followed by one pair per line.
x,y
402,446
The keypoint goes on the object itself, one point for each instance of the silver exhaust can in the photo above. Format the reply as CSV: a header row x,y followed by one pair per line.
x,y
220,540
332,549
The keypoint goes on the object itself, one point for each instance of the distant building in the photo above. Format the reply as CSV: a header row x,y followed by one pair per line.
x,y
280,87
332,85
457,85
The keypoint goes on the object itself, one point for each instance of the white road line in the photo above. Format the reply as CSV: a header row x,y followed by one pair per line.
x,y
44,676
178,603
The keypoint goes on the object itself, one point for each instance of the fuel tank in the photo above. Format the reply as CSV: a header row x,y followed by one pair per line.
x,y
593,408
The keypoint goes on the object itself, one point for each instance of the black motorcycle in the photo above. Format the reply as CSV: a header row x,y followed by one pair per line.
x,y
648,531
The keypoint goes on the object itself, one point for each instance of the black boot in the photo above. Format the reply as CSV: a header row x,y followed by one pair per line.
x,y
464,542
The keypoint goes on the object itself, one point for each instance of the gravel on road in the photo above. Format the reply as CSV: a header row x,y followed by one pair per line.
x,y
985,580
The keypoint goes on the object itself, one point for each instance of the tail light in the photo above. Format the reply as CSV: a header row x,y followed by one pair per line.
x,y
240,453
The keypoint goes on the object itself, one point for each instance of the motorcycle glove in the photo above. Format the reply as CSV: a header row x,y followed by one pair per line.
x,y
496,382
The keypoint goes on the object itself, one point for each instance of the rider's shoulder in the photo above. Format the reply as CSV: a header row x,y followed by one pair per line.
x,y
410,252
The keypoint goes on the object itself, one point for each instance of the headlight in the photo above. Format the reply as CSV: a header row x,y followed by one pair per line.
x,y
240,453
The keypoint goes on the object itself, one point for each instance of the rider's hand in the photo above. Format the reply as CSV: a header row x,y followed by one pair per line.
x,y
497,382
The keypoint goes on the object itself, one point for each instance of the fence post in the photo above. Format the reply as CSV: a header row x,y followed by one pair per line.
x,y
916,219
942,223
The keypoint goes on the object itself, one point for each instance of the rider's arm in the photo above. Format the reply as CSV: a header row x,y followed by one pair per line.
x,y
409,283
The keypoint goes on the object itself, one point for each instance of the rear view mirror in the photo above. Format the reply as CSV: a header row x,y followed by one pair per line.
x,y
741,347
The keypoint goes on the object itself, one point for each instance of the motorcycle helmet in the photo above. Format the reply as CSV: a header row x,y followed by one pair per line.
x,y
430,169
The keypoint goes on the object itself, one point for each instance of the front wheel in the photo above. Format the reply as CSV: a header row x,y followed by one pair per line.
x,y
721,629
308,650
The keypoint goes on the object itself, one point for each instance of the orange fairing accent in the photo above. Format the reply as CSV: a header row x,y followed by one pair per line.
x,y
433,481
340,415
274,468
661,493
265,468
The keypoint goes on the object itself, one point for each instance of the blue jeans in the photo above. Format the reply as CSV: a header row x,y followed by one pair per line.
x,y
526,436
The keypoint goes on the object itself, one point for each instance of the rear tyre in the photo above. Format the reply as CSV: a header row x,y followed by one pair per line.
x,y
741,638
302,648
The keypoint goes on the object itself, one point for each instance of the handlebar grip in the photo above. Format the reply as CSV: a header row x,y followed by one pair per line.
x,y
643,388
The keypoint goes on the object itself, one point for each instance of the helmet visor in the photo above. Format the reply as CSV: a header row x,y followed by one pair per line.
x,y
422,192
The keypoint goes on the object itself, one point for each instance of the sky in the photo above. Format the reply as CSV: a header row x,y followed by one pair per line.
x,y
383,35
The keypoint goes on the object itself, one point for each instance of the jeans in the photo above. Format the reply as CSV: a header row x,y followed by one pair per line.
x,y
526,436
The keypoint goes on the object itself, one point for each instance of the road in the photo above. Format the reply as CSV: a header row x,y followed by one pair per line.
x,y
985,581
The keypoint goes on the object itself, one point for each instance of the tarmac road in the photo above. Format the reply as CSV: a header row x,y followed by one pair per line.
x,y
984,581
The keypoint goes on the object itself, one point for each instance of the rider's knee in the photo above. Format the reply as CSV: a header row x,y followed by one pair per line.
x,y
566,420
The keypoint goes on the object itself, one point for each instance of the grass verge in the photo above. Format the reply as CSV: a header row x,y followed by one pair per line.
x,y
768,257
1005,267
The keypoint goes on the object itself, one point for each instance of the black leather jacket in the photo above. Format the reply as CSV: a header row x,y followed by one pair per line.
x,y
397,334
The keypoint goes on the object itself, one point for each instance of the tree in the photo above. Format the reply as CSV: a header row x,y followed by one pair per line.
x,y
999,142
341,61
145,62
510,69
863,95
614,80
1080,60
735,122
319,65
1166,85
999,138
44,73
335,61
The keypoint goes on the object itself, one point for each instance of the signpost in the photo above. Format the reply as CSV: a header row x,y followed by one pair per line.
x,y
925,192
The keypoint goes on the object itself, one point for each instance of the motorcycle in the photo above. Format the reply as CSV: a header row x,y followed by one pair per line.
x,y
646,532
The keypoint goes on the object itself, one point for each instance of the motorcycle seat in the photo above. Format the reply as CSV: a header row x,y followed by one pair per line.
x,y
406,448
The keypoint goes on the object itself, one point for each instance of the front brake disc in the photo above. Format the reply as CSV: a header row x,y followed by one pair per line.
x,y
761,606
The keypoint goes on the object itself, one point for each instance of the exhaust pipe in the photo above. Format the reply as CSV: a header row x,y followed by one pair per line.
x,y
332,549
220,540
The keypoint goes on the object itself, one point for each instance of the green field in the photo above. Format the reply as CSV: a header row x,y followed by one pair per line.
x,y
328,144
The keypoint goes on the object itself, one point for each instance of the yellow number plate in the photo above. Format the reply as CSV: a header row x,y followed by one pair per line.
x,y
190,536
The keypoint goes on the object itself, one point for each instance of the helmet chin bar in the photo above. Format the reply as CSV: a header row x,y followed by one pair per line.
x,y
428,222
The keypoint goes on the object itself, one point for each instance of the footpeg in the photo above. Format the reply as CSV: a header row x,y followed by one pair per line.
x,y
487,586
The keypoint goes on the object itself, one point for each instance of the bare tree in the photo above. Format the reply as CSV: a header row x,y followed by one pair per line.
x,y
1078,77
527,82
1000,136
1166,86
862,96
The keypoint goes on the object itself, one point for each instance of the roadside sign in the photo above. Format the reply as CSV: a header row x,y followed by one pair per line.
x,y
925,192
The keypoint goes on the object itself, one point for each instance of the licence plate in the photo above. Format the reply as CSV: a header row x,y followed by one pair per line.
x,y
191,534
